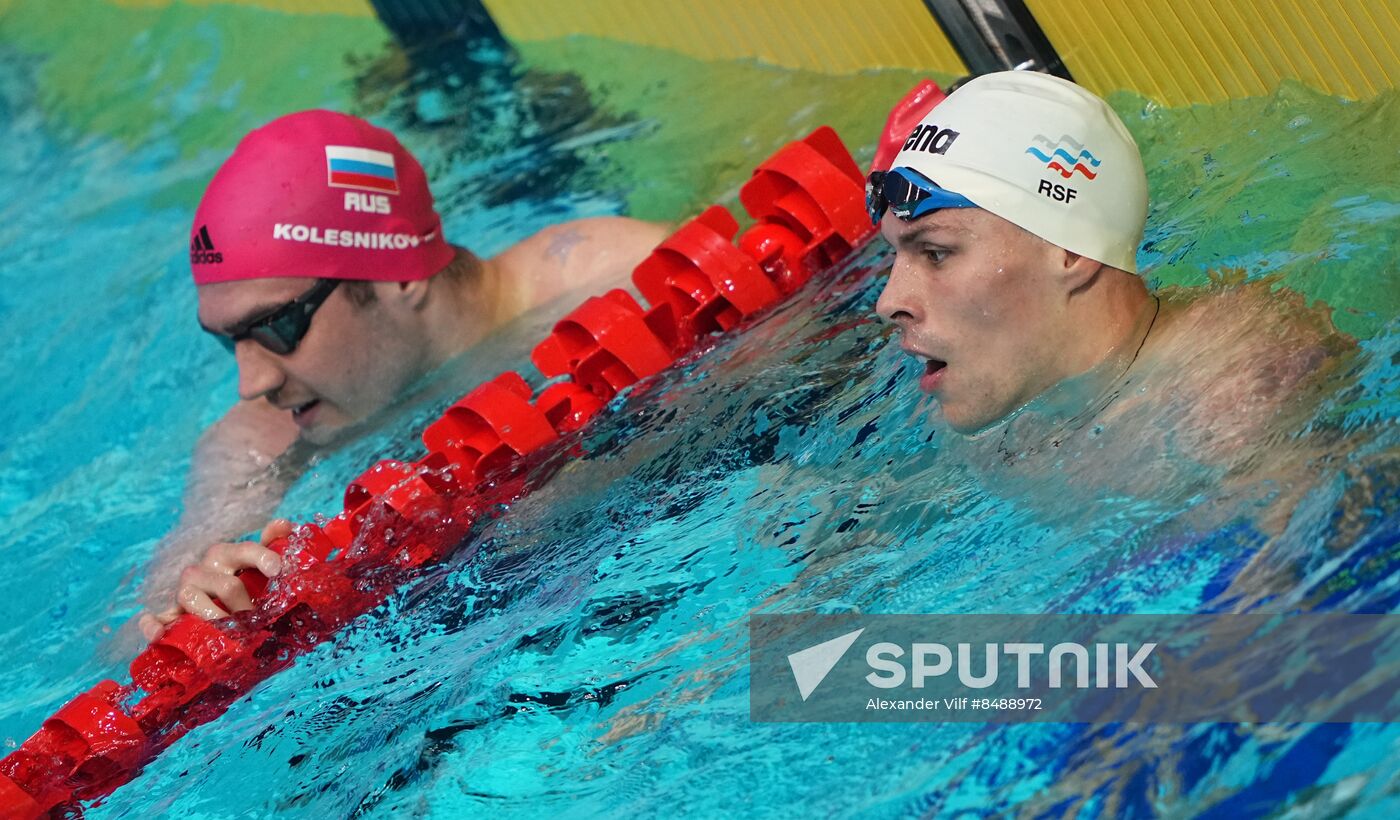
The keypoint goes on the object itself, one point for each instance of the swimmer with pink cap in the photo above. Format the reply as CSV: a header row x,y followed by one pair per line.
x,y
321,195
320,263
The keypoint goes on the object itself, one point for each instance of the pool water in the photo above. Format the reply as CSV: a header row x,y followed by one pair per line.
x,y
586,653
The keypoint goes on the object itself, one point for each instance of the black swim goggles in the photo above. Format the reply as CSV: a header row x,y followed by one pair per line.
x,y
907,194
282,329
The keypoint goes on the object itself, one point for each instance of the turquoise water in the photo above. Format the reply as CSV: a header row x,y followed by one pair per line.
x,y
586,653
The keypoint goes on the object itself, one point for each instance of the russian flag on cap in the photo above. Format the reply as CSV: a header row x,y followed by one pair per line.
x,y
362,168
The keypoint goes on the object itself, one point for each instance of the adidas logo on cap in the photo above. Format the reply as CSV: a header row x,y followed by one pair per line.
x,y
202,249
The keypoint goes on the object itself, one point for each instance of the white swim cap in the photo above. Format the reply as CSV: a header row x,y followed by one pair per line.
x,y
1041,153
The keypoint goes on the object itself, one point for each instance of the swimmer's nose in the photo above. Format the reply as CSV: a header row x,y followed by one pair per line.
x,y
898,302
258,372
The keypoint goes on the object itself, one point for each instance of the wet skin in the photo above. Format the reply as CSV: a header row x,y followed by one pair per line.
x,y
352,362
356,363
994,312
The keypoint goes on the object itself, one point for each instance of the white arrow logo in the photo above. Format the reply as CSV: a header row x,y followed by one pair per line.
x,y
811,666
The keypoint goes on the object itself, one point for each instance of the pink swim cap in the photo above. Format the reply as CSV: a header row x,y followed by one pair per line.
x,y
318,194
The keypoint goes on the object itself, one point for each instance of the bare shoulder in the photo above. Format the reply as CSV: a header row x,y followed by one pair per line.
x,y
1251,358
1256,328
594,253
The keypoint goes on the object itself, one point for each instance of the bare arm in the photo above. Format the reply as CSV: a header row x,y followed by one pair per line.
x,y
244,463
242,466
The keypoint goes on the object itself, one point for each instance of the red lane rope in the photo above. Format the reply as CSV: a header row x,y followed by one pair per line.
x,y
808,204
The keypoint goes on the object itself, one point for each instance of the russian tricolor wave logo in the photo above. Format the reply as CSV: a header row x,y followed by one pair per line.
x,y
361,168
1055,156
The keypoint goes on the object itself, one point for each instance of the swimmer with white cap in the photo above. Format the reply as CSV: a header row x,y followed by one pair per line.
x,y
1016,208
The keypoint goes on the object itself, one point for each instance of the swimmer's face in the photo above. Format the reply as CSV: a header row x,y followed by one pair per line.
x,y
976,303
353,361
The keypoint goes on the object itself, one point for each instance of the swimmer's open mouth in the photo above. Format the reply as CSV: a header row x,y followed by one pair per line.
x,y
298,411
933,369
933,375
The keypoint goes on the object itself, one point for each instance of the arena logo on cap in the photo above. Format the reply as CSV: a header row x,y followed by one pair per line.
x,y
928,137
1063,162
361,168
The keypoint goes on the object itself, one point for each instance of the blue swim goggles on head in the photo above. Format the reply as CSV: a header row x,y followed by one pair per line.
x,y
908,194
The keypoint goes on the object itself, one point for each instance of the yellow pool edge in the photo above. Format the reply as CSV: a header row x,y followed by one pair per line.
x,y
1177,53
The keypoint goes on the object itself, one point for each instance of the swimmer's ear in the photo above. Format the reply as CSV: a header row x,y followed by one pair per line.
x,y
410,295
1076,273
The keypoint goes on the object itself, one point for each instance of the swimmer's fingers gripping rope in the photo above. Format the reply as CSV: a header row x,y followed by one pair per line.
x,y
807,201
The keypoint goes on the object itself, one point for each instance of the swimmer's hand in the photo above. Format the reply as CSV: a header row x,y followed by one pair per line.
x,y
214,577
